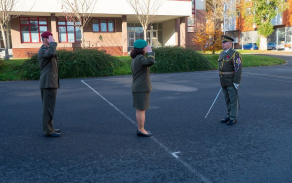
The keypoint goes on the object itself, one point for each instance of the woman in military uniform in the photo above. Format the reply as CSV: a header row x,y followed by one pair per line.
x,y
230,69
141,85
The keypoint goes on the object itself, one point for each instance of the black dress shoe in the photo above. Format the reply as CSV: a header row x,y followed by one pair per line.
x,y
57,130
54,135
140,134
225,120
231,122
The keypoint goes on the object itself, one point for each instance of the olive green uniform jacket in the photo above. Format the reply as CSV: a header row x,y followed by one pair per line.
x,y
48,64
141,73
230,63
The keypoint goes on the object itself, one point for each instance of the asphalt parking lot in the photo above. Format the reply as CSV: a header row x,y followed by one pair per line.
x,y
99,142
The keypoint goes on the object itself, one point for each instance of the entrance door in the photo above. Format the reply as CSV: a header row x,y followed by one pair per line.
x,y
154,38
131,39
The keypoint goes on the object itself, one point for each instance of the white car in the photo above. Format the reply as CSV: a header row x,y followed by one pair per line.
x,y
280,47
273,46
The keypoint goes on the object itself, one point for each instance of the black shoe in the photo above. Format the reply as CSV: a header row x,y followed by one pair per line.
x,y
231,122
140,134
54,135
225,120
57,130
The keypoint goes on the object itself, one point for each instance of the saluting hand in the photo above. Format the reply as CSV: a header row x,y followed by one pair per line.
x,y
51,39
148,49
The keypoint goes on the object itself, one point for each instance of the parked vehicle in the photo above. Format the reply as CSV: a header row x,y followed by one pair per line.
x,y
280,47
271,46
274,46
250,46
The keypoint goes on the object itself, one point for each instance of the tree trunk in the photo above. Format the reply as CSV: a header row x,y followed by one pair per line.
x,y
82,38
151,36
6,57
263,43
214,43
7,45
145,33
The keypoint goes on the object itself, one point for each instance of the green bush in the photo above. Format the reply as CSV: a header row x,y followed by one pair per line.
x,y
1,64
123,66
85,63
75,64
30,68
178,59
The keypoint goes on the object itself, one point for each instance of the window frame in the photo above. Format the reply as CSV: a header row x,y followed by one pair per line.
x,y
107,25
191,28
74,25
29,28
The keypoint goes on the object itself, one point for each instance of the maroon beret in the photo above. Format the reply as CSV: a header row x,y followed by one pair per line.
x,y
46,34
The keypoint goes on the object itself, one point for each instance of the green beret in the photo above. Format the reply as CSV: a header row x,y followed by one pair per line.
x,y
140,43
227,39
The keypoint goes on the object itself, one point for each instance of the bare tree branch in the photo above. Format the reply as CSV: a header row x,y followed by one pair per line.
x,y
7,9
79,12
145,11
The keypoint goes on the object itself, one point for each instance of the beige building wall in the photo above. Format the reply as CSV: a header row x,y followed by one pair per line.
x,y
169,33
182,33
103,39
111,42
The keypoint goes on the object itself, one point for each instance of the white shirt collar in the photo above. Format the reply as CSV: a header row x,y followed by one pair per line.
x,y
226,50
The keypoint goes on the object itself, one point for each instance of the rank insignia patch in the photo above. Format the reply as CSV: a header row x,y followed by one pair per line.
x,y
237,63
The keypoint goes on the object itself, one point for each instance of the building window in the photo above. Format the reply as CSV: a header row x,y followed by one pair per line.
x,y
191,19
31,29
69,31
135,31
155,34
200,4
103,25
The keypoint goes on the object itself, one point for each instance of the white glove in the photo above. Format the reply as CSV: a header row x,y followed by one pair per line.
x,y
236,85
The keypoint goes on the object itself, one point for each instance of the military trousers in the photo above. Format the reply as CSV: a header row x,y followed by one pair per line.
x,y
231,99
48,103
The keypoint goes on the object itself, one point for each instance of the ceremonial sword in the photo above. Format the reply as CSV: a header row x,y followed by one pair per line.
x,y
213,103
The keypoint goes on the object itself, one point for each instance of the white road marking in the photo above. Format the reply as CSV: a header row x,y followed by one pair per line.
x,y
263,77
194,171
174,154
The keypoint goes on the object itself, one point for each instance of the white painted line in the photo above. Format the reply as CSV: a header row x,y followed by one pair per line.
x,y
194,171
132,121
155,75
263,77
174,154
269,75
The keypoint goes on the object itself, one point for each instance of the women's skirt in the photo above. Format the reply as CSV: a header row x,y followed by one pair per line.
x,y
141,100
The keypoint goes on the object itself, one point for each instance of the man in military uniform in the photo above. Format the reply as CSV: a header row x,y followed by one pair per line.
x,y
49,82
230,68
